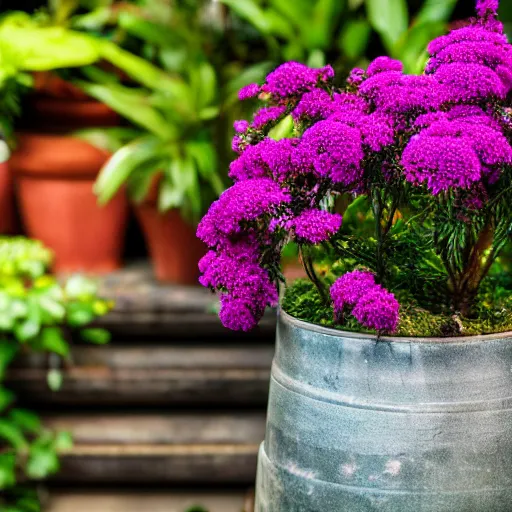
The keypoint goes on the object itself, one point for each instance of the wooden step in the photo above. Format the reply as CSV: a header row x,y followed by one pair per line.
x,y
145,306
148,374
150,501
155,449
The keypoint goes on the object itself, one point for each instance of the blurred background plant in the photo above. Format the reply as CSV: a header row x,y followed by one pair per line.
x,y
37,314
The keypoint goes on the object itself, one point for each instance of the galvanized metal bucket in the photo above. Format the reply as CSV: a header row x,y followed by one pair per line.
x,y
359,424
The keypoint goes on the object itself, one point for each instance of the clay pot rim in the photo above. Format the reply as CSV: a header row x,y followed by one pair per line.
x,y
47,174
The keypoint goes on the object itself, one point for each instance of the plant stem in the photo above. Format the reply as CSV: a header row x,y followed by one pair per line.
x,y
469,280
307,263
377,213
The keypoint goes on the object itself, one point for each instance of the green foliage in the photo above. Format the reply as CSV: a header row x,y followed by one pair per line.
x,y
302,300
37,314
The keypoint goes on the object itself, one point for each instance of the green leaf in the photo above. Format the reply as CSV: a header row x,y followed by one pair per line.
x,y
79,287
97,336
412,48
205,156
123,163
8,351
109,139
139,183
354,38
7,470
316,59
136,67
390,18
132,104
208,113
27,421
63,442
325,16
52,307
249,11
6,398
52,340
31,326
205,84
169,196
63,9
54,378
147,30
32,48
12,435
435,11
80,314
298,12
279,25
283,130
42,462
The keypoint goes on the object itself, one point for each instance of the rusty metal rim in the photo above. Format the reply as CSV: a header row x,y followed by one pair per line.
x,y
328,331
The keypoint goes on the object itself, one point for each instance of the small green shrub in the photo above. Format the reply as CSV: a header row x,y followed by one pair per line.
x,y
37,314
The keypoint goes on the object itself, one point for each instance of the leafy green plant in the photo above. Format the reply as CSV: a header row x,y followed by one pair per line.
x,y
174,145
37,314
42,43
310,31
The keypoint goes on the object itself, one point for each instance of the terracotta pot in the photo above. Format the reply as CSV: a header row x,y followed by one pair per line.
x,y
55,176
7,210
172,242
59,106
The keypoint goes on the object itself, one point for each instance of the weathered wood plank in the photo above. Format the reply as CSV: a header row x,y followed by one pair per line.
x,y
145,306
151,501
198,448
154,375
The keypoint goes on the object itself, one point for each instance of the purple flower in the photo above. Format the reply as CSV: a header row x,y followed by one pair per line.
x,y
468,33
378,309
381,64
249,91
237,144
373,306
469,82
349,288
335,150
315,226
293,78
441,162
314,105
246,201
487,7
376,129
266,116
250,163
356,77
241,126
286,160
485,53
491,146
238,314
246,287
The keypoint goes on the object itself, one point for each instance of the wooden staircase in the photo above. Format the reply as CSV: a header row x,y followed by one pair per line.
x,y
175,400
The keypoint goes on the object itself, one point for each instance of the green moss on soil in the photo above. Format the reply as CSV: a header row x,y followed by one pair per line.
x,y
301,300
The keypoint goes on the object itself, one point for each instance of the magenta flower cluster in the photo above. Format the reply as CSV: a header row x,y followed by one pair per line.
x,y
371,304
439,132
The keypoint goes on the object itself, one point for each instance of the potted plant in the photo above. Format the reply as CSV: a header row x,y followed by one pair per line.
x,y
169,167
55,170
37,314
391,382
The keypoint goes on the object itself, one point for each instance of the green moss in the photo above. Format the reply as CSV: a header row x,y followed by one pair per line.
x,y
301,300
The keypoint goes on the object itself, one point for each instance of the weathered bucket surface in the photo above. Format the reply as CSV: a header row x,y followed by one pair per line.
x,y
397,425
